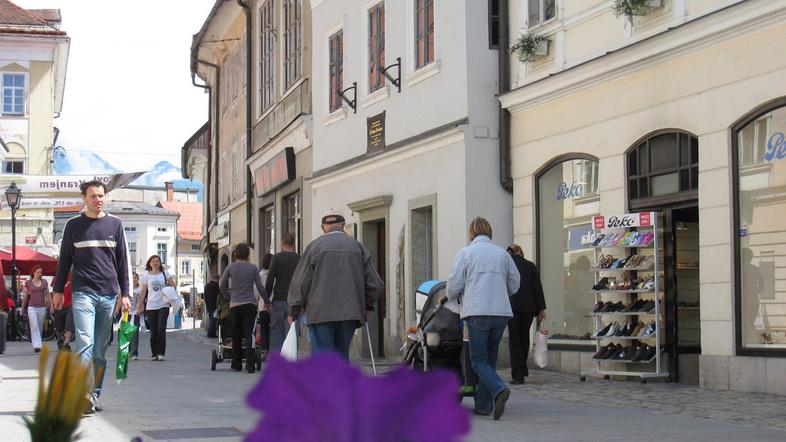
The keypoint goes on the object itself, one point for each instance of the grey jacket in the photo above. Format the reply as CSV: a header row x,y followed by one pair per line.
x,y
335,280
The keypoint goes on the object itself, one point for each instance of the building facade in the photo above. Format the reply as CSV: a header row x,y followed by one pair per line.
x,y
680,111
33,61
190,261
409,155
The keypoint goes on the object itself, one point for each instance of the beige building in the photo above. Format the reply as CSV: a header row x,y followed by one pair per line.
x,y
33,61
681,111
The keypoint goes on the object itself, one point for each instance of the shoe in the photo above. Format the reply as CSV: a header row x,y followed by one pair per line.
x,y
499,403
517,381
640,353
135,357
161,357
615,327
154,358
600,285
599,354
96,404
598,307
37,350
90,409
603,331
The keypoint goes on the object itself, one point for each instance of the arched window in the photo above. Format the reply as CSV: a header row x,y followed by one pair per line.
x,y
663,164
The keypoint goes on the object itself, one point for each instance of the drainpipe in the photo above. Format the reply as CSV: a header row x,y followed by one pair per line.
x,y
216,135
505,178
249,77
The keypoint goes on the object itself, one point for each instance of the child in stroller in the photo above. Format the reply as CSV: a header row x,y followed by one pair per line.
x,y
223,350
438,339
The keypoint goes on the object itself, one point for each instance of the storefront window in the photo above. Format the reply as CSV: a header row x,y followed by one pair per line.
x,y
567,200
760,150
291,217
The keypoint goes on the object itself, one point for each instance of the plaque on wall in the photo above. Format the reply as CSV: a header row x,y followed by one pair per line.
x,y
375,129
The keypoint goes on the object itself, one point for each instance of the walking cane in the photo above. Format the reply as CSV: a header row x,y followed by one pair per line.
x,y
371,350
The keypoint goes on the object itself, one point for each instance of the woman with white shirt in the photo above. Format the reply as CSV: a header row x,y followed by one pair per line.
x,y
153,304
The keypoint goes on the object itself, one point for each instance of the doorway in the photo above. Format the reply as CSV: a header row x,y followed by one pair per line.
x,y
374,238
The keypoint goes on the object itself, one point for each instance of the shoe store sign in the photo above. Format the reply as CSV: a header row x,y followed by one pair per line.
x,y
776,147
565,192
642,219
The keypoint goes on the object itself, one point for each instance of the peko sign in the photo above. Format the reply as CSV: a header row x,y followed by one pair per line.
x,y
574,191
776,147
642,219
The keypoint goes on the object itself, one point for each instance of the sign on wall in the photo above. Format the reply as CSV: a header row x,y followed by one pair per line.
x,y
54,184
275,173
642,219
375,129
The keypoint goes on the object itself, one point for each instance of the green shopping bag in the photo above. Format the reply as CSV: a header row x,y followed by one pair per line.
x,y
125,334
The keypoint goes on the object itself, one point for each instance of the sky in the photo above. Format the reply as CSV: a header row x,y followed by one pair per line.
x,y
128,92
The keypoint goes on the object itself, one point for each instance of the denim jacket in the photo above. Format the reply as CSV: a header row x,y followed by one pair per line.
x,y
483,277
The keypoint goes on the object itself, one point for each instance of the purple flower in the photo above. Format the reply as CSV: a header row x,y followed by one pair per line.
x,y
325,398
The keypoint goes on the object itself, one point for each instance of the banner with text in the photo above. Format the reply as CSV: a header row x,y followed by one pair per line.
x,y
642,219
61,184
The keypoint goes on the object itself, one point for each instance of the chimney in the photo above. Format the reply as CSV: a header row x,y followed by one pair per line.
x,y
170,191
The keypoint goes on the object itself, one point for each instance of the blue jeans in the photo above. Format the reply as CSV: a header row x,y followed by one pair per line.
x,y
332,336
93,326
485,333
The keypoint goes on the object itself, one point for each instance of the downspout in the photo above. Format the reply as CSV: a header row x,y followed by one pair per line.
x,y
209,90
249,122
216,136
505,178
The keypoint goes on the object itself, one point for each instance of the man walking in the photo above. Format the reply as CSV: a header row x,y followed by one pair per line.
x,y
527,303
94,252
336,283
211,303
282,267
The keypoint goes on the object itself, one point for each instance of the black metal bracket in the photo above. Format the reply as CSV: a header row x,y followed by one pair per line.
x,y
396,81
354,102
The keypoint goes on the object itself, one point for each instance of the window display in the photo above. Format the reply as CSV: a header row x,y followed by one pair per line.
x,y
760,149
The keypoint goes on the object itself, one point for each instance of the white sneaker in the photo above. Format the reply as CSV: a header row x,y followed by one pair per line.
x,y
154,358
160,358
136,358
96,404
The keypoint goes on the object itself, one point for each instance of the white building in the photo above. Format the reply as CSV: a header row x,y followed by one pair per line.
x,y
409,168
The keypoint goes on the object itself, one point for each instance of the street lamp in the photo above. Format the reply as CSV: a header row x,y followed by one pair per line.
x,y
14,196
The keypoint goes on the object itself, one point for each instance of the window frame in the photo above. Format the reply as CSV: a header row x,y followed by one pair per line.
x,y
267,56
15,161
335,70
541,14
186,263
424,34
296,218
268,231
292,42
755,114
13,88
375,15
493,21
159,246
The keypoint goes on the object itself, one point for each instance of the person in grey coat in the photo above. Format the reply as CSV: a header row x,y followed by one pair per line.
x,y
336,282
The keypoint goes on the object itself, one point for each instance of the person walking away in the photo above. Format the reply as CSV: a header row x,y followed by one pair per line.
x,y
154,306
282,267
36,304
482,278
527,303
243,276
94,251
135,317
64,318
211,304
337,283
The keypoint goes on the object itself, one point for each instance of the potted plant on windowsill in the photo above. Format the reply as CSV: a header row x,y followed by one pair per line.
x,y
631,8
528,47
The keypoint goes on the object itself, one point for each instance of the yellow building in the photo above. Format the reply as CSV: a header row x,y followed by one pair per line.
x,y
33,61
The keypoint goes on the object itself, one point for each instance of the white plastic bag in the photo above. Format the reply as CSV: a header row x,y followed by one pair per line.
x,y
289,349
541,346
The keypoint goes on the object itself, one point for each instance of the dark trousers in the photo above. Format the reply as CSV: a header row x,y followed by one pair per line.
x,y
211,324
518,342
134,350
243,321
157,320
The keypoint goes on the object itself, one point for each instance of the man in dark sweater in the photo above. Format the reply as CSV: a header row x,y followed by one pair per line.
x,y
94,252
527,303
211,303
282,266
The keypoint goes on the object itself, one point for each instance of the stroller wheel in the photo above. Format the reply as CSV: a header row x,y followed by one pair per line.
x,y
213,359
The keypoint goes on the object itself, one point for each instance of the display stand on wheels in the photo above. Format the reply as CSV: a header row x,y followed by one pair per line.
x,y
628,291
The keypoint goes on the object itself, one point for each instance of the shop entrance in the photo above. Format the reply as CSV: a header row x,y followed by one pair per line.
x,y
373,237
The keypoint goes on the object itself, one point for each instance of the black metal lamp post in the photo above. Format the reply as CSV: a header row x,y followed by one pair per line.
x,y
14,196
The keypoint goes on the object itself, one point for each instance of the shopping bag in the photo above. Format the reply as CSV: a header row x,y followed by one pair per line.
x,y
289,349
125,334
541,346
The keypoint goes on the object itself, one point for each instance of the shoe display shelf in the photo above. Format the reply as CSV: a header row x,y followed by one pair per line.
x,y
623,238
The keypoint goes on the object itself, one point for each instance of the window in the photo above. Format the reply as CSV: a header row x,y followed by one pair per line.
x,y
161,252
564,242
14,166
162,229
185,267
14,94
291,217
493,24
195,247
336,69
541,11
268,222
132,252
293,36
234,173
663,164
130,229
267,44
759,148
422,248
424,32
376,46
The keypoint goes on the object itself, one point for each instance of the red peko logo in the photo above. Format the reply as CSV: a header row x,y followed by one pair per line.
x,y
645,219
599,222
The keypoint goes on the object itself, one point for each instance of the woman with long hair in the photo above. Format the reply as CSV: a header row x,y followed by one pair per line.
x,y
35,304
153,304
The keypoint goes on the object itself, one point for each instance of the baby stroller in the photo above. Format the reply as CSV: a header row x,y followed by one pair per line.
x,y
438,339
223,350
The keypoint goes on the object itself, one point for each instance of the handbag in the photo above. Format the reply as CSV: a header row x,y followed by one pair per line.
x,y
541,346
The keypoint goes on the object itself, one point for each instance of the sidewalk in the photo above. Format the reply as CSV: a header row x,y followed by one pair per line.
x,y
180,399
